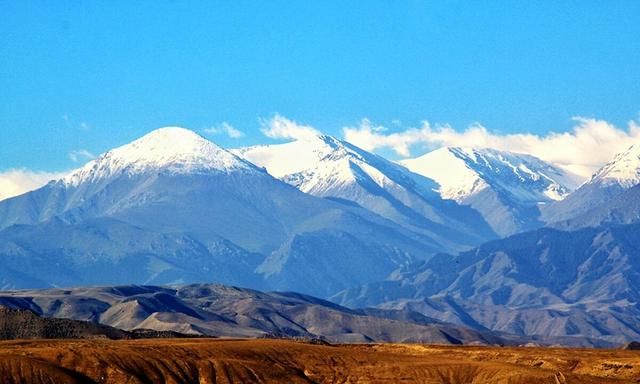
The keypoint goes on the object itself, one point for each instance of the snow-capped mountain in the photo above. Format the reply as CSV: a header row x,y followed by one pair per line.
x,y
623,170
167,151
171,149
326,166
331,168
505,187
616,177
462,172
173,207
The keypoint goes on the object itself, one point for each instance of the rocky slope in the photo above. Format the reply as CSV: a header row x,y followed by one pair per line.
x,y
545,282
215,310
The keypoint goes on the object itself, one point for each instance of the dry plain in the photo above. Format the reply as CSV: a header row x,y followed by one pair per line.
x,y
272,361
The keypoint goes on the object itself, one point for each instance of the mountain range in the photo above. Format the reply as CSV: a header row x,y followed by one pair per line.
x,y
577,275
545,282
225,311
173,207
214,310
327,167
486,239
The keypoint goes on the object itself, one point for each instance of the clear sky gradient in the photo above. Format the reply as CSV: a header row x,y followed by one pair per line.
x,y
89,75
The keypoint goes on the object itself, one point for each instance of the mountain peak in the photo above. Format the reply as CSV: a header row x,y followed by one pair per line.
x,y
171,149
167,145
464,171
164,134
448,167
624,169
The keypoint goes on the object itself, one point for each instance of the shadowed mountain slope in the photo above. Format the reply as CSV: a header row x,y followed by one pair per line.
x,y
545,282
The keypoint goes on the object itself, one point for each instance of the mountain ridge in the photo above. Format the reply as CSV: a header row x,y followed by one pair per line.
x,y
548,281
214,310
327,167
226,311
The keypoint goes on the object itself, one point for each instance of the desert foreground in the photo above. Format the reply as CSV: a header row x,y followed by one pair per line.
x,y
271,361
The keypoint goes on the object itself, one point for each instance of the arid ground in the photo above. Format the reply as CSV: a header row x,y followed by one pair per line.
x,y
270,361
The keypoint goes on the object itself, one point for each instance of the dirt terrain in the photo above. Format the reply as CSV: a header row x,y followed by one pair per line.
x,y
269,361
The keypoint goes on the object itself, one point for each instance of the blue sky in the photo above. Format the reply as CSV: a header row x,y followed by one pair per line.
x,y
89,75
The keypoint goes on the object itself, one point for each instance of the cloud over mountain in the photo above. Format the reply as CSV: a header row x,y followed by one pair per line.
x,y
279,127
15,182
582,150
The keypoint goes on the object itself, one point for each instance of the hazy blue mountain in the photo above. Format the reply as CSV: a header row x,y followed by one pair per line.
x,y
546,282
622,208
108,251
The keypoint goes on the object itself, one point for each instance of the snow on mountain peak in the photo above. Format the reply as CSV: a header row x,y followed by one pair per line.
x,y
278,158
456,179
462,172
328,167
324,165
624,169
172,149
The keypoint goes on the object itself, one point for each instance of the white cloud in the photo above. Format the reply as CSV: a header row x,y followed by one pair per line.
x,y
279,127
15,182
80,155
225,129
371,137
589,145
